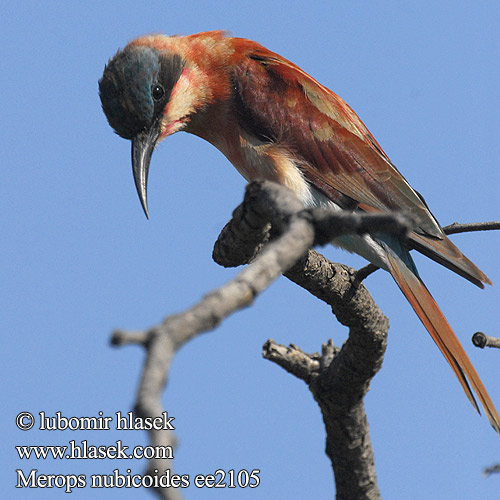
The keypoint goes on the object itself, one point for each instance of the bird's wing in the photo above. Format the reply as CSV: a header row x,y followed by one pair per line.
x,y
338,150
275,100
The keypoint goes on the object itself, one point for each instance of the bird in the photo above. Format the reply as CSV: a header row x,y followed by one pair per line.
x,y
273,121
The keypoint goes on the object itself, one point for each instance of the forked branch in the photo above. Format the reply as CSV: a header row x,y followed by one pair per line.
x,y
273,232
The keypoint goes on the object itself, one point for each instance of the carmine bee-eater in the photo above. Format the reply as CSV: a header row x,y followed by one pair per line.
x,y
273,121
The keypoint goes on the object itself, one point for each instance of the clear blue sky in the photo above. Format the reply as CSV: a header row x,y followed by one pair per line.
x,y
79,258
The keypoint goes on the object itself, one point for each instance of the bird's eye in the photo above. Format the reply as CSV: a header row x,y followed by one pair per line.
x,y
157,92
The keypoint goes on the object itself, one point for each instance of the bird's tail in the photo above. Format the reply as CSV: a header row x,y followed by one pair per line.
x,y
434,321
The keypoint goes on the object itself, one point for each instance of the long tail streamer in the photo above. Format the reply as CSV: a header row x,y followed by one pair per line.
x,y
436,324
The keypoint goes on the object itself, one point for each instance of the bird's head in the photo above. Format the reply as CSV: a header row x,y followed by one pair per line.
x,y
149,90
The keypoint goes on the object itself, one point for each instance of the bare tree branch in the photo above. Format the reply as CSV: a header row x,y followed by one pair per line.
x,y
338,378
272,230
481,340
472,226
162,341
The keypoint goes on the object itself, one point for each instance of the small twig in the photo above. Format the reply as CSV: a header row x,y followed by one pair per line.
x,y
364,272
481,340
472,226
494,469
120,338
292,359
328,223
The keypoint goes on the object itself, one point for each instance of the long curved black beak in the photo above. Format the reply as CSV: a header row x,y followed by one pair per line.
x,y
143,145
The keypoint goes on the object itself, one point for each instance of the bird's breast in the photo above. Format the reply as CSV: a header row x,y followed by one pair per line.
x,y
256,159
